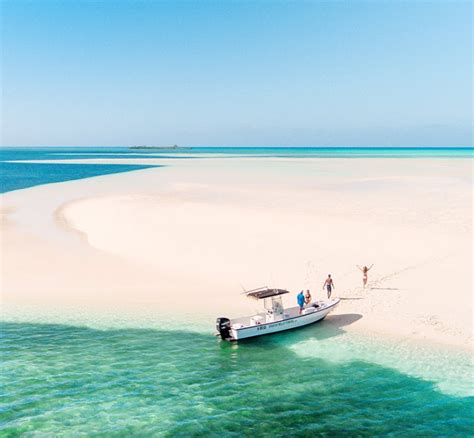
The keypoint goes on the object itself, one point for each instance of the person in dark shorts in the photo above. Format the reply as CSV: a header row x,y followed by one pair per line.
x,y
300,299
329,285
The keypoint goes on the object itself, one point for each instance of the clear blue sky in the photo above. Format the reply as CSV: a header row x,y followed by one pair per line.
x,y
237,73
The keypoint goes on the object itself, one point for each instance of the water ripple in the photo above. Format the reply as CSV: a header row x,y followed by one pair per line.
x,y
76,381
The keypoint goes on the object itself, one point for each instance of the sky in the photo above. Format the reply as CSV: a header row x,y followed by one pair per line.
x,y
236,73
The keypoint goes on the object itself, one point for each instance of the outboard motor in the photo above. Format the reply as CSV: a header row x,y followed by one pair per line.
x,y
223,327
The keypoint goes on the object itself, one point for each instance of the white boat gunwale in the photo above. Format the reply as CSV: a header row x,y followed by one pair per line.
x,y
318,310
275,318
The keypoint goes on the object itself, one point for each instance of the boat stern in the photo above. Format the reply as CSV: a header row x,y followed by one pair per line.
x,y
223,327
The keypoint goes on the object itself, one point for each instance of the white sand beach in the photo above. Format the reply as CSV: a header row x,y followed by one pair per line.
x,y
188,236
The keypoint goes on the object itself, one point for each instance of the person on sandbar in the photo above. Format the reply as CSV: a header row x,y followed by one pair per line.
x,y
365,271
329,285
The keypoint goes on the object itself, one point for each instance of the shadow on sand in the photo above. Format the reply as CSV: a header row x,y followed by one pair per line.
x,y
329,327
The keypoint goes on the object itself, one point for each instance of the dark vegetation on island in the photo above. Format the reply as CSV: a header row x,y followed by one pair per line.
x,y
159,147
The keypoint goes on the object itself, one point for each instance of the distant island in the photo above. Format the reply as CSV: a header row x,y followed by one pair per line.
x,y
158,147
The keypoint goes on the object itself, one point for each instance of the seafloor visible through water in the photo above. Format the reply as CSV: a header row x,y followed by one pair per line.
x,y
72,381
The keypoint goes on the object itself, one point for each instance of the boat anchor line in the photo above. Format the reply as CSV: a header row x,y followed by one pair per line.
x,y
377,281
374,284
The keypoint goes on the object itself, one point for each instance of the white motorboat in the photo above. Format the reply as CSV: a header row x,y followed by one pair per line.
x,y
274,317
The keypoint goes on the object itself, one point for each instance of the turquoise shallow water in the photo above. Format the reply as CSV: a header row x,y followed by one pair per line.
x,y
15,174
60,379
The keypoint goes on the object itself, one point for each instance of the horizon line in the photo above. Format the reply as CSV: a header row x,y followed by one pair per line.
x,y
241,147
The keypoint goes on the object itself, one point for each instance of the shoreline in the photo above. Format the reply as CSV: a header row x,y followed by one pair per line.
x,y
369,328
332,341
181,192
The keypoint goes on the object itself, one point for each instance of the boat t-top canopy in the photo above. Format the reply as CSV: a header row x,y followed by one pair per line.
x,y
265,292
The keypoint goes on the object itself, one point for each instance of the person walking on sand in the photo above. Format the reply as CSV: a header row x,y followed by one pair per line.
x,y
300,300
365,271
329,285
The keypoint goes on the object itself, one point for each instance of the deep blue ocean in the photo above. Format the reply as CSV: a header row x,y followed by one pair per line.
x,y
20,175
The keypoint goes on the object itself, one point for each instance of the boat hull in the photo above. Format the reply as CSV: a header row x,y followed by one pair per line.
x,y
239,334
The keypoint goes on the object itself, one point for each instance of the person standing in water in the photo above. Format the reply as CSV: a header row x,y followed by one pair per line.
x,y
365,271
329,285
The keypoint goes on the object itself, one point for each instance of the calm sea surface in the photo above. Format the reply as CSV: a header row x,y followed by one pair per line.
x,y
16,175
59,379
73,380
